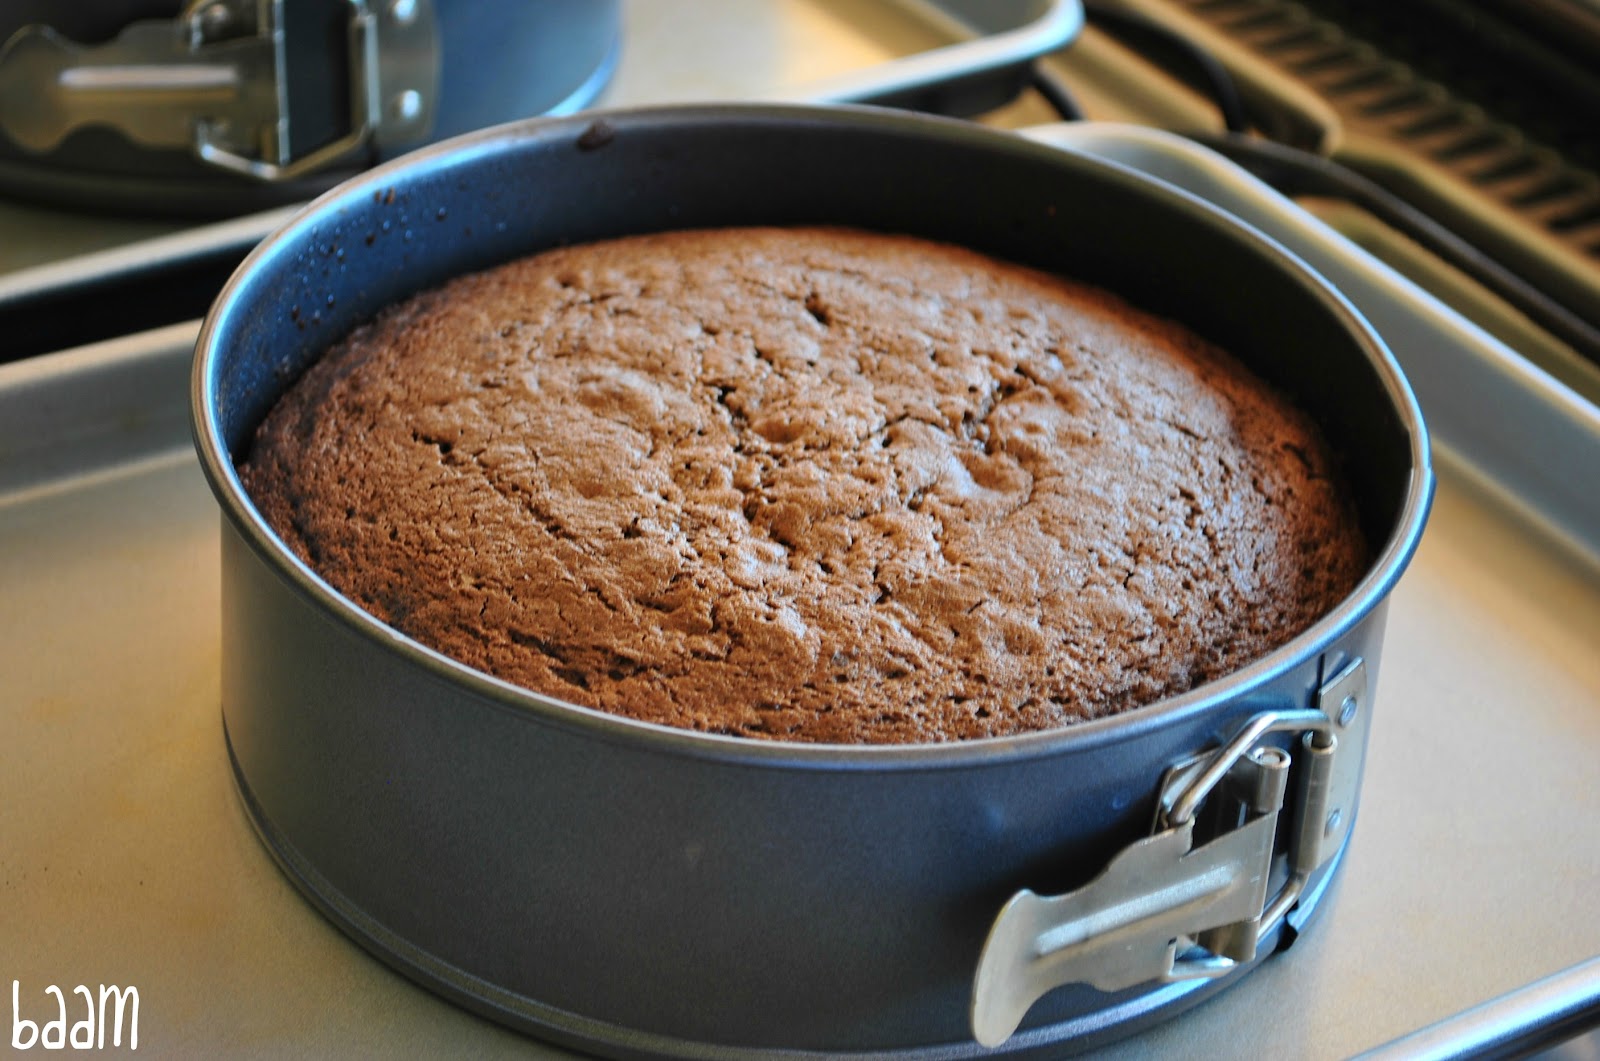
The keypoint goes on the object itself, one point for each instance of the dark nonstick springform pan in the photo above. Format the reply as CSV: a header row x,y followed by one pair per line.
x,y
633,890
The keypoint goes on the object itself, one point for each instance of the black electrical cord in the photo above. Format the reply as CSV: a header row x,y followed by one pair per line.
x,y
1180,56
1295,172
1055,93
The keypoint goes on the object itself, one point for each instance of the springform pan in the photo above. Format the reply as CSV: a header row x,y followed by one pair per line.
x,y
632,890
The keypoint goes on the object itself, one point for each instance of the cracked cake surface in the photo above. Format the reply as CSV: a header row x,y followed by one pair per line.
x,y
808,484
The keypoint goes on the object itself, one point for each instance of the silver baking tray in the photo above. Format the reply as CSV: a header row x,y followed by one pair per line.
x,y
126,859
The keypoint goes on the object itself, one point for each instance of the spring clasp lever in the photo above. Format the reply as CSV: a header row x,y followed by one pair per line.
x,y
1167,909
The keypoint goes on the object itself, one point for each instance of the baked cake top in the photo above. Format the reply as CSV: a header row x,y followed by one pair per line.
x,y
808,484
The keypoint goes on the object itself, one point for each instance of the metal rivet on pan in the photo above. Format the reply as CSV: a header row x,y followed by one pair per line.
x,y
1347,710
406,105
403,11
214,18
1333,823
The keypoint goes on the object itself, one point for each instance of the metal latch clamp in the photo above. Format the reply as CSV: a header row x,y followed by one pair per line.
x,y
223,80
1164,909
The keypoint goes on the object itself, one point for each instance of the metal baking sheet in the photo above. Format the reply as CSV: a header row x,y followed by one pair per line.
x,y
125,857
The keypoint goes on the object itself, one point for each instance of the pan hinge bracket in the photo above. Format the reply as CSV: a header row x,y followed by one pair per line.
x,y
1195,898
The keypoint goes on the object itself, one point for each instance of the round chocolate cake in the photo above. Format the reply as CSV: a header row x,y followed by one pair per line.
x,y
808,484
